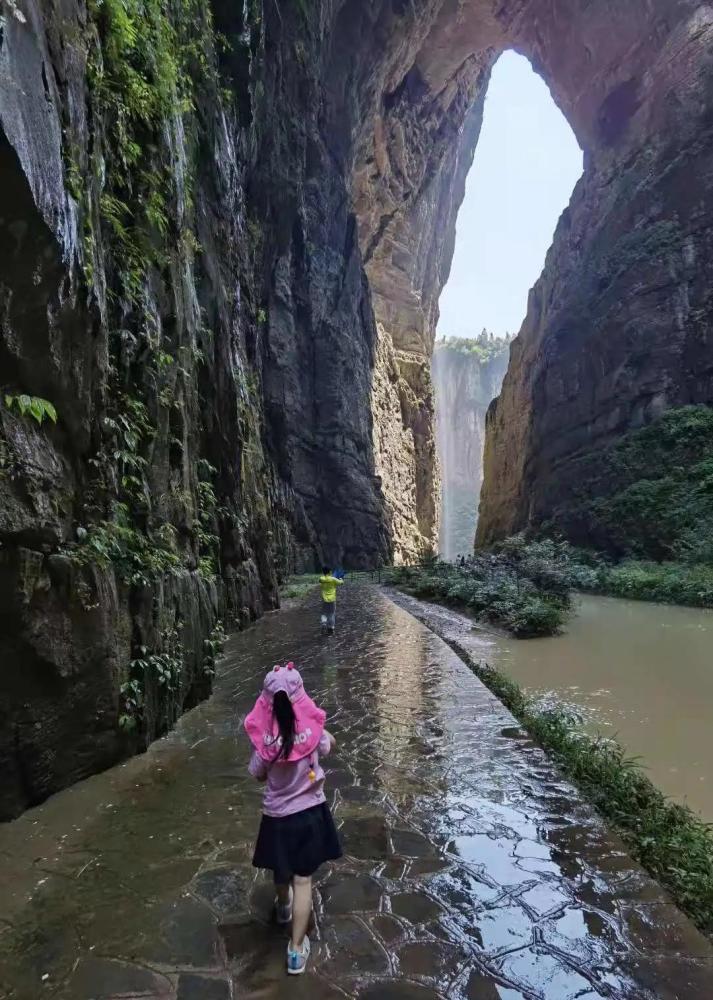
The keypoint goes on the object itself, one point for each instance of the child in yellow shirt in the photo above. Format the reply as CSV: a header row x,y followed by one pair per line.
x,y
328,584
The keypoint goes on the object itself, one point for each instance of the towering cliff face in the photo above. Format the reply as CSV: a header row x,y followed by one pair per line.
x,y
223,272
406,194
182,282
149,510
618,328
467,376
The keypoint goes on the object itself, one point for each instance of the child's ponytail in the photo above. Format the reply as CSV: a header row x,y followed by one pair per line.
x,y
285,716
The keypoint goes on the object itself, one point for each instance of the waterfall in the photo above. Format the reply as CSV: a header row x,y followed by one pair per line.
x,y
467,376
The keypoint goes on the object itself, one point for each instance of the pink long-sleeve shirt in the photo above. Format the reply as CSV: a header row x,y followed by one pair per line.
x,y
289,789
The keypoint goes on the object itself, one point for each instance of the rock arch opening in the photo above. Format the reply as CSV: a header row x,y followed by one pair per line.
x,y
619,313
526,165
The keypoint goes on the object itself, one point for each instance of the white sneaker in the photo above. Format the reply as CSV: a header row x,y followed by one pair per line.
x,y
297,960
283,914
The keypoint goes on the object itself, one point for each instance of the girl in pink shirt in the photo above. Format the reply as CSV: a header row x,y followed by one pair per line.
x,y
297,832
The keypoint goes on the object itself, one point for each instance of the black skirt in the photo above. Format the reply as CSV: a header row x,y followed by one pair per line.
x,y
297,844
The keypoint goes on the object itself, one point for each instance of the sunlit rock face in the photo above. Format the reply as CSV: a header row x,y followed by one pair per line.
x,y
407,197
466,379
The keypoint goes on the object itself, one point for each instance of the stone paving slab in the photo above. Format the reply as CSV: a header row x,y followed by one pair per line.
x,y
472,870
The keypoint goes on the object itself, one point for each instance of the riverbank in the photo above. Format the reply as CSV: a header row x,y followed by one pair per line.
x,y
519,587
665,583
673,844
525,586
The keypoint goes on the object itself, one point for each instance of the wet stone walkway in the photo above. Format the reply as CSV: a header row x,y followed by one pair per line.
x,y
472,870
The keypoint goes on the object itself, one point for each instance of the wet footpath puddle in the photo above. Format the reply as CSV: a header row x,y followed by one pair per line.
x,y
472,870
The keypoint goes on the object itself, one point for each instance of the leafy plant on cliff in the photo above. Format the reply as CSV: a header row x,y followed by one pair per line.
x,y
132,696
132,76
32,406
254,12
206,535
650,496
138,557
131,430
152,60
166,665
159,668
213,648
149,61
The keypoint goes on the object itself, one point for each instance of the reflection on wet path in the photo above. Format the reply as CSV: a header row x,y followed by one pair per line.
x,y
472,871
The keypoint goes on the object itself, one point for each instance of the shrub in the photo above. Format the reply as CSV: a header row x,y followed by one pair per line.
x,y
535,616
525,586
519,587
672,583
695,544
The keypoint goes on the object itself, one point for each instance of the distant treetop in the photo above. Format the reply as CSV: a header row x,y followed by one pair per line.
x,y
487,346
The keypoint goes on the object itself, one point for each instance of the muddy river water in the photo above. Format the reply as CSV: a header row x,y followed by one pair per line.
x,y
640,672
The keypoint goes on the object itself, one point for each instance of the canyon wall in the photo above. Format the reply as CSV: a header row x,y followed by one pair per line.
x,y
467,376
137,506
189,349
185,312
407,192
224,229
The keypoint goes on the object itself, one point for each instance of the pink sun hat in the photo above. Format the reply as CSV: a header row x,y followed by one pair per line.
x,y
261,725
